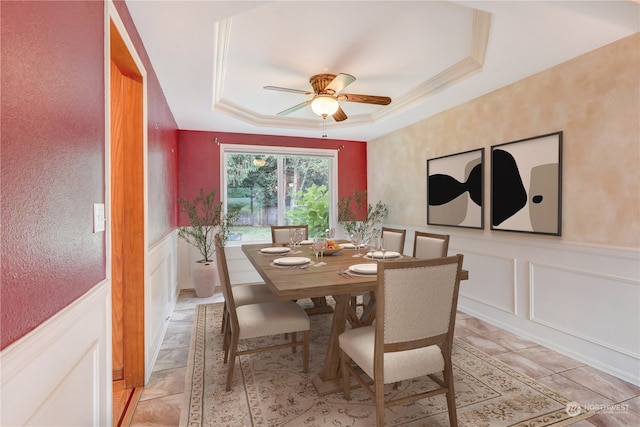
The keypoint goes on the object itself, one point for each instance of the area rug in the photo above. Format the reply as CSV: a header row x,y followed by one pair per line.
x,y
269,389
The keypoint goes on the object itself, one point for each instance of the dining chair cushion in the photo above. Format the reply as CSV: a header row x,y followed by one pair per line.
x,y
271,318
428,247
252,293
422,284
398,366
393,241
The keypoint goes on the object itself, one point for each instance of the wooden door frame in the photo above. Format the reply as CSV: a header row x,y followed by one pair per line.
x,y
127,190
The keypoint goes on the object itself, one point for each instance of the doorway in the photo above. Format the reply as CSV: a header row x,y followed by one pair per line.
x,y
127,221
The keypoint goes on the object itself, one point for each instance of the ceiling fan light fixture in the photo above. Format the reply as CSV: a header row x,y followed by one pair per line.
x,y
325,105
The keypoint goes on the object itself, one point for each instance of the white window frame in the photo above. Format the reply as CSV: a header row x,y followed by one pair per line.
x,y
332,155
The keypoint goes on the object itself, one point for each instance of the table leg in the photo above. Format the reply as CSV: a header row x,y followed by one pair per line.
x,y
320,306
329,381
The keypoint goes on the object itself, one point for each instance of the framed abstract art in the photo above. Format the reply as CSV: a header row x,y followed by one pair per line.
x,y
526,185
455,190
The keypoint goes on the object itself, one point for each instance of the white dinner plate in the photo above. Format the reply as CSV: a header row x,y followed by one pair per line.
x,y
275,250
306,242
294,260
378,254
371,268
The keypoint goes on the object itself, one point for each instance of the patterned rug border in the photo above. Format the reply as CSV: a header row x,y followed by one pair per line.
x,y
192,409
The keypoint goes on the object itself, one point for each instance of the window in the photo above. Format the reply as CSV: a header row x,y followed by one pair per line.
x,y
278,186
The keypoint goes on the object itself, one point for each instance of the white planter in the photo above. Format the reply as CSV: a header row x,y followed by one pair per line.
x,y
204,278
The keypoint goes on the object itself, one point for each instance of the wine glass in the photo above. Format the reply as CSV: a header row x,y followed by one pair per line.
x,y
292,237
374,244
330,233
299,236
323,247
383,247
356,239
315,246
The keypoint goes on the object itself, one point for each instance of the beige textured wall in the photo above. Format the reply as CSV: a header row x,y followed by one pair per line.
x,y
594,99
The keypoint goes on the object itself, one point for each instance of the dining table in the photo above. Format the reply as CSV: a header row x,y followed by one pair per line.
x,y
294,281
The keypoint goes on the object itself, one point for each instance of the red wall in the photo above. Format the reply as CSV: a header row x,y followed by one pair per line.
x,y
199,160
52,158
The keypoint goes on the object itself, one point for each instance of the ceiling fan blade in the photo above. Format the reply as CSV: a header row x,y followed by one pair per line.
x,y
294,108
339,115
284,89
341,81
365,99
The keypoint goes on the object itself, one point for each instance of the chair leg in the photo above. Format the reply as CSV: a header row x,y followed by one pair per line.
x,y
232,361
227,342
225,314
306,337
451,395
346,381
379,401
225,328
293,340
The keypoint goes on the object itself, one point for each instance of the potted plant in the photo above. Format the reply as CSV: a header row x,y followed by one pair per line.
x,y
207,220
356,216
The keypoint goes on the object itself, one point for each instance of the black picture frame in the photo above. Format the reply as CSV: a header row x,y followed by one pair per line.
x,y
526,185
455,190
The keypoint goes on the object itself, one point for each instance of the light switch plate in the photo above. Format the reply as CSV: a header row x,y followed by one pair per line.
x,y
98,217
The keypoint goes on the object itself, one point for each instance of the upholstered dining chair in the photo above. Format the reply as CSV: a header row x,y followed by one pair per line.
x,y
413,333
430,245
280,233
259,320
393,239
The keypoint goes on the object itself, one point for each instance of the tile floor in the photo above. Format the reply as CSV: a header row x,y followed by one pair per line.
x,y
161,399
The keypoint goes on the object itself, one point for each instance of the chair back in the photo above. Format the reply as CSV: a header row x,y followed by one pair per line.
x,y
416,304
393,239
223,272
280,233
430,245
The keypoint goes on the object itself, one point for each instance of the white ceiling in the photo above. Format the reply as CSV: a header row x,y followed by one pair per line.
x,y
213,58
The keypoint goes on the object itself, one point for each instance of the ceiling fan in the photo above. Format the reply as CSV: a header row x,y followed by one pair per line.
x,y
327,91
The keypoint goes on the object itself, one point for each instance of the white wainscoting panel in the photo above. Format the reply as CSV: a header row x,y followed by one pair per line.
x,y
240,269
60,373
580,300
160,296
597,318
493,282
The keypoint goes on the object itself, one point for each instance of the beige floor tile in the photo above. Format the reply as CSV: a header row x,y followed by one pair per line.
x,y
549,359
175,340
616,419
604,384
164,383
476,325
523,365
508,340
574,391
160,412
171,358
461,331
634,404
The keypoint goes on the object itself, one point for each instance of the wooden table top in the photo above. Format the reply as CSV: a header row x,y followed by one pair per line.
x,y
310,282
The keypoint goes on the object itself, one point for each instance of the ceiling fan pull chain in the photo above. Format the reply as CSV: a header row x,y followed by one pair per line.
x,y
324,126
